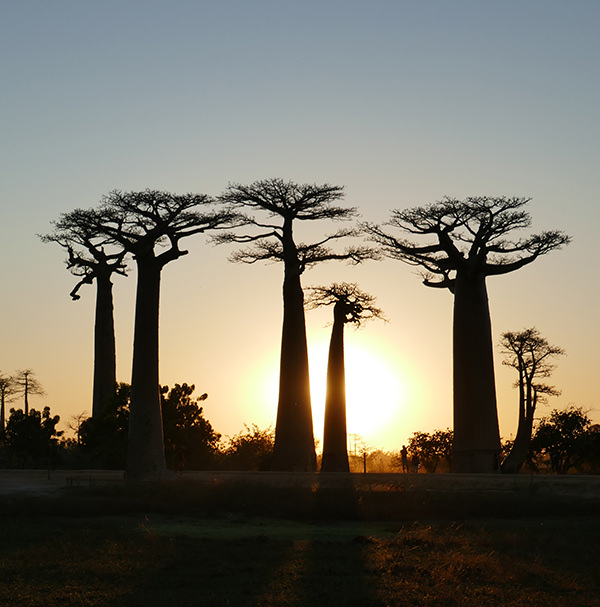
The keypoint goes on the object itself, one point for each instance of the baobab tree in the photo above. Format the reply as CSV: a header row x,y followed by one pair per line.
x,y
284,203
350,306
27,384
531,355
92,258
150,225
469,242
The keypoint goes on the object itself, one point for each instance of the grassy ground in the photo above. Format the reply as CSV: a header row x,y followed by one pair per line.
x,y
236,546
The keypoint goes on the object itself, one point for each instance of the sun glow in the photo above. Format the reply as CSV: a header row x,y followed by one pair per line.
x,y
376,394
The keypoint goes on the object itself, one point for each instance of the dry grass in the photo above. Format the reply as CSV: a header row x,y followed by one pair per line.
x,y
117,547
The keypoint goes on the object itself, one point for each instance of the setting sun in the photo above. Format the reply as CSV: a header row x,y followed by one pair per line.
x,y
375,392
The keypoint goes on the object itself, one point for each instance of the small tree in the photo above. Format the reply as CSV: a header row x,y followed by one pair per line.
x,y
150,225
284,204
468,243
93,258
32,438
530,354
431,449
562,437
350,306
8,389
190,441
27,384
103,439
250,449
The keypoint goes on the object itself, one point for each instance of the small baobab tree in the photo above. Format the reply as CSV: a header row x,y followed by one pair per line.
x,y
93,258
350,306
284,204
150,225
530,355
27,384
468,242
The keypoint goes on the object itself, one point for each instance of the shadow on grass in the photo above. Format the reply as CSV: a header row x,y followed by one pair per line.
x,y
251,571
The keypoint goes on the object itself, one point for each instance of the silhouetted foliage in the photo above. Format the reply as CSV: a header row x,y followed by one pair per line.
x,y
93,258
468,241
190,441
565,437
250,449
27,384
350,305
431,449
591,460
102,440
32,438
150,226
282,205
530,354
8,389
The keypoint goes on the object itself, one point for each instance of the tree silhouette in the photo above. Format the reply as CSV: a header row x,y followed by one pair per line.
x,y
190,441
27,384
431,449
250,449
530,354
93,258
564,437
468,244
350,306
285,203
103,439
7,389
32,438
150,226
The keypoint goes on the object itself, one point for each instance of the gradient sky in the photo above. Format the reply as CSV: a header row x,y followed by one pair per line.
x,y
401,102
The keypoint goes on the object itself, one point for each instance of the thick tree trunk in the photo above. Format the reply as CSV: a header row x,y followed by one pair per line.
x,y
476,446
520,449
145,447
105,379
335,451
294,448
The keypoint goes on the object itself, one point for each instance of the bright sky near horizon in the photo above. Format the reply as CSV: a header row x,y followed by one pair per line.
x,y
401,102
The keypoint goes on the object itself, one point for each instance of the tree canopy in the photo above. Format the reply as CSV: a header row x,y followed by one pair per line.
x,y
465,234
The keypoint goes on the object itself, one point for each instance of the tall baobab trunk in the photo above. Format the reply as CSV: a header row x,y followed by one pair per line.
x,y
26,393
520,448
145,447
335,451
105,377
476,446
294,448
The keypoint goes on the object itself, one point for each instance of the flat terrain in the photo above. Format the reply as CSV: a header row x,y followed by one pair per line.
x,y
88,539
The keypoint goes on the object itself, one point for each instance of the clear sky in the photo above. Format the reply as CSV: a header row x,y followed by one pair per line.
x,y
401,102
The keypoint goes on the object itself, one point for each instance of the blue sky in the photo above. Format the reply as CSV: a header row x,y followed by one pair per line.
x,y
401,102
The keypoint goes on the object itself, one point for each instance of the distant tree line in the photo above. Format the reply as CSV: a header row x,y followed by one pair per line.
x,y
565,441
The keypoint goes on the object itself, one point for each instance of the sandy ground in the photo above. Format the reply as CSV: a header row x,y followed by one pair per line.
x,y
584,487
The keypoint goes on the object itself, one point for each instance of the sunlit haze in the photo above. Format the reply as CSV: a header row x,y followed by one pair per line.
x,y
400,102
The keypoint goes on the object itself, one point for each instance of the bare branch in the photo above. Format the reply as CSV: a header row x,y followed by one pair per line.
x,y
467,235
